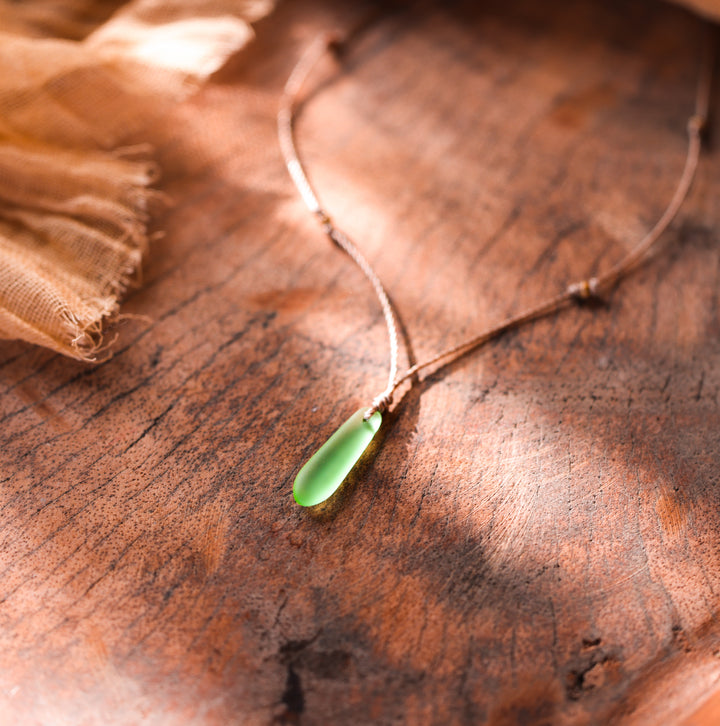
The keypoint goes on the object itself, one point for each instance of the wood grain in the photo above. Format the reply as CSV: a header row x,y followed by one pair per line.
x,y
535,540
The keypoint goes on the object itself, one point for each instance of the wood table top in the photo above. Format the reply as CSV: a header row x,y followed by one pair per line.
x,y
535,537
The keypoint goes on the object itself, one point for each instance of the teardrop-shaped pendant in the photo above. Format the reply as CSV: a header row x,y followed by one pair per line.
x,y
327,468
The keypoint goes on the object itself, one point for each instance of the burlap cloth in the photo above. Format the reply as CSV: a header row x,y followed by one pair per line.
x,y
76,77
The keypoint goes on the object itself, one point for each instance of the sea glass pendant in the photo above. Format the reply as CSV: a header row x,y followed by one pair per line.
x,y
327,468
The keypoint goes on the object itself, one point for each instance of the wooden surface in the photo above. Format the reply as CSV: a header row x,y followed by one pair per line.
x,y
536,540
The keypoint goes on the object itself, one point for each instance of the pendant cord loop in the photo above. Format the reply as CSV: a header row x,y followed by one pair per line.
x,y
581,291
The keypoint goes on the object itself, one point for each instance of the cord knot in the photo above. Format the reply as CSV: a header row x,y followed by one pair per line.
x,y
584,290
380,404
325,221
695,125
335,42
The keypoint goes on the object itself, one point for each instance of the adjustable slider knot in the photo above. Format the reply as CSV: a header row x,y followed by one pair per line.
x,y
335,42
584,290
380,404
696,124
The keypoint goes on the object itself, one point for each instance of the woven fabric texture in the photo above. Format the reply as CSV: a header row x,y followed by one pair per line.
x,y
76,78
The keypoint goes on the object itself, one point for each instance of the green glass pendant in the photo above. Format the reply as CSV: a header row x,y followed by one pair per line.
x,y
327,468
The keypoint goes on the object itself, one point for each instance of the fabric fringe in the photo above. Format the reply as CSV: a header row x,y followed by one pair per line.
x,y
76,78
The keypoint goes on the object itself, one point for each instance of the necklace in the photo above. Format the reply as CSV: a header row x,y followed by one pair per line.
x,y
325,471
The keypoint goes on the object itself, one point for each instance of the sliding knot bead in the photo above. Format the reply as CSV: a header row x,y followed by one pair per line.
x,y
584,290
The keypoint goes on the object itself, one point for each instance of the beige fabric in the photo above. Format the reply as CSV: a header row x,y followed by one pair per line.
x,y
76,77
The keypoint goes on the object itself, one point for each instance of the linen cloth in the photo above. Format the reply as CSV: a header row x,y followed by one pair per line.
x,y
76,78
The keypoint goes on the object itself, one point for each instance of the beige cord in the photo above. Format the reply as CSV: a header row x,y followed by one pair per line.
x,y
579,291
298,175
